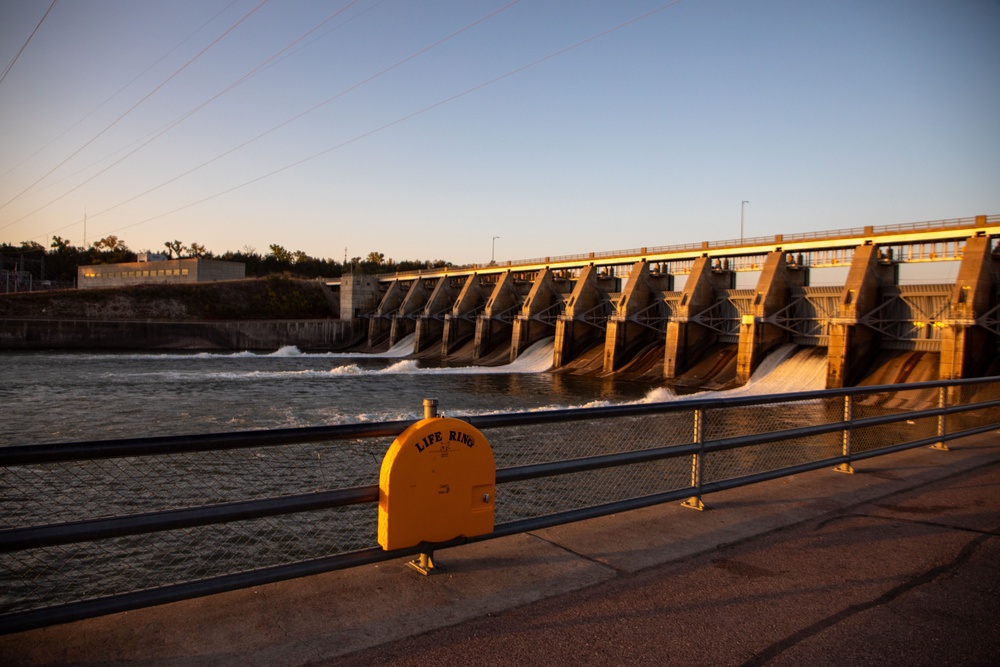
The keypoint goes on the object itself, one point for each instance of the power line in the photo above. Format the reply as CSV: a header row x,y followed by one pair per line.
x,y
25,45
282,124
150,138
120,90
155,134
412,115
137,104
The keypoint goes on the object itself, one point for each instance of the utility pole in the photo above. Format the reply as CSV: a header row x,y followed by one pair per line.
x,y
742,207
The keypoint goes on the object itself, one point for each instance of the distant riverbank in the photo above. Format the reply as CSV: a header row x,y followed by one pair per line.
x,y
259,314
271,298
205,335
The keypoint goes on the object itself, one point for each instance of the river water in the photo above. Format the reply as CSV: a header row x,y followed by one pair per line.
x,y
60,397
66,397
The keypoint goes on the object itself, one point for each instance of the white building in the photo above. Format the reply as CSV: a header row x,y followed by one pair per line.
x,y
166,271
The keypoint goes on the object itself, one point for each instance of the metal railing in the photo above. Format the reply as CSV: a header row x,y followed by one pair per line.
x,y
93,528
23,281
832,234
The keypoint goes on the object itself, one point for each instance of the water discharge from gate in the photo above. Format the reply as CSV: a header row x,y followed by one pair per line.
x,y
60,397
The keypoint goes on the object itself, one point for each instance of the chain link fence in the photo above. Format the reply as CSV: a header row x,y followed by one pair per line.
x,y
728,441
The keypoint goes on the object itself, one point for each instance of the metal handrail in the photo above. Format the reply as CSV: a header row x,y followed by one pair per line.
x,y
103,528
189,517
833,234
145,598
84,450
105,449
93,529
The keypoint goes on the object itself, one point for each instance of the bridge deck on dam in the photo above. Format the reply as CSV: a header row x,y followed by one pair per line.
x,y
918,237
659,312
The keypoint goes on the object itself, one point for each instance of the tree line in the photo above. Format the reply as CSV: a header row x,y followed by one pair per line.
x,y
59,262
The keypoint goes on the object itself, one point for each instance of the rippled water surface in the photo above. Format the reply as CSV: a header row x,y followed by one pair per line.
x,y
64,397
59,397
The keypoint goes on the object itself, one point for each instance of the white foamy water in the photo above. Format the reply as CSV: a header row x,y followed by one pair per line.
x,y
286,351
53,397
61,397
786,370
536,359
401,349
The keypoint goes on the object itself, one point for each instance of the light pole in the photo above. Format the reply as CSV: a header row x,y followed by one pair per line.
x,y
493,251
743,205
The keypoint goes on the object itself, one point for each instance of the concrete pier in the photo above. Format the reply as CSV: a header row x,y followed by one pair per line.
x,y
852,345
632,324
966,349
495,324
430,322
581,324
757,335
380,321
404,320
460,323
686,338
539,311
359,295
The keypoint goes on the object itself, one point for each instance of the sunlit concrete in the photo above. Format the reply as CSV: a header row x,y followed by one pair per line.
x,y
626,296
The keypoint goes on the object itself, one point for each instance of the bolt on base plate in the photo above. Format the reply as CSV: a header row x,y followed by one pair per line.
x,y
694,503
424,564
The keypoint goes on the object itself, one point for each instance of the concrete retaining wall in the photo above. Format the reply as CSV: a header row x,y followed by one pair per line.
x,y
27,334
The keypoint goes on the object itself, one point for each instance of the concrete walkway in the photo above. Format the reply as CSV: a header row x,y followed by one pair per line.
x,y
898,564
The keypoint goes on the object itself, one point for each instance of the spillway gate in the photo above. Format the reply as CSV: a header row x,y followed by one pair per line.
x,y
684,299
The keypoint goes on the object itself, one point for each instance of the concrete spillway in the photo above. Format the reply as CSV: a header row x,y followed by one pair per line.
x,y
622,314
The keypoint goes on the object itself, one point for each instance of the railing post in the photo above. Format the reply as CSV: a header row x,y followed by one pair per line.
x,y
694,502
942,425
424,563
848,430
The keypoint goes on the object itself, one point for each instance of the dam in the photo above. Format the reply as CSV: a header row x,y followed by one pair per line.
x,y
677,313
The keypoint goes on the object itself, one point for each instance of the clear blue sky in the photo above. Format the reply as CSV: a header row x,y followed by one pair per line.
x,y
545,124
